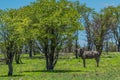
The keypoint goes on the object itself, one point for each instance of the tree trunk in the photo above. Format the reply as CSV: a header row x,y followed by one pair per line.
x,y
30,49
46,54
10,56
9,62
118,46
107,47
17,58
46,57
17,55
49,60
89,46
69,44
10,67
70,48
99,48
76,52
50,64
49,50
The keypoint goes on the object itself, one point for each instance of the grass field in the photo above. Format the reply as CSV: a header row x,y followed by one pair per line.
x,y
67,68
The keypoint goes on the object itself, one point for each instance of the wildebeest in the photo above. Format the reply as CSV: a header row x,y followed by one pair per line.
x,y
89,55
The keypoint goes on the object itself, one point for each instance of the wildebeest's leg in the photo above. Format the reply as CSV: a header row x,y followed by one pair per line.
x,y
84,63
97,61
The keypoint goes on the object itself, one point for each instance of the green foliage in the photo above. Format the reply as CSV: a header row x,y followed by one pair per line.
x,y
14,26
58,15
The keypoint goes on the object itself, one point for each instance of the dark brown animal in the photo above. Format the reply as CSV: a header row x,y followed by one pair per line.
x,y
89,55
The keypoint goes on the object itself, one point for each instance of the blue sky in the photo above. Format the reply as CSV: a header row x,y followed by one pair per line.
x,y
99,4
14,3
96,4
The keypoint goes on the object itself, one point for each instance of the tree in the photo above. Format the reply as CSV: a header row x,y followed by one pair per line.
x,y
86,17
13,29
100,29
115,22
5,33
56,20
31,30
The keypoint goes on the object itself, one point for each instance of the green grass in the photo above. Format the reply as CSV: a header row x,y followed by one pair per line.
x,y
66,69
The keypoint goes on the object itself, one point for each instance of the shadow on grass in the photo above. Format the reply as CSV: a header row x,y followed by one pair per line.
x,y
108,56
34,57
56,71
11,76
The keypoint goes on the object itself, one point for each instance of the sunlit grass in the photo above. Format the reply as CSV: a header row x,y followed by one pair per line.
x,y
67,68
